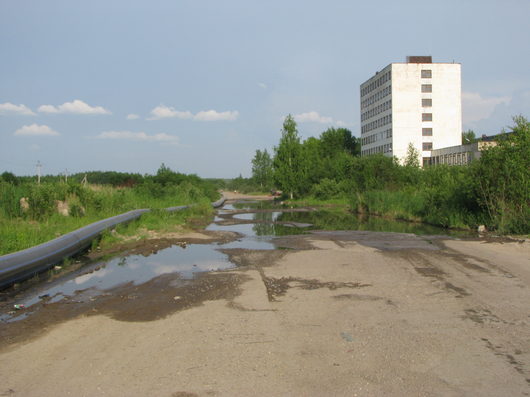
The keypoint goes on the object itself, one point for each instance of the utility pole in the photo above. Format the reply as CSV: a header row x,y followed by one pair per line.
x,y
39,167
66,175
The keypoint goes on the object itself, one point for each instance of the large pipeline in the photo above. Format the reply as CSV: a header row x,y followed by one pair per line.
x,y
24,264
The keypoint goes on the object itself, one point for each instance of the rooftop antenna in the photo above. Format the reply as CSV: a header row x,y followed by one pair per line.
x,y
39,167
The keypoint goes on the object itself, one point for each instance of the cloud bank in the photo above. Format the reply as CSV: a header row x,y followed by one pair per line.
x,y
165,112
476,107
9,108
315,117
139,136
35,130
75,107
212,115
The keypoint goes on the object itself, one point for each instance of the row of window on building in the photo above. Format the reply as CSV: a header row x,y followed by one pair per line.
x,y
376,123
376,97
377,83
386,148
387,134
451,159
375,111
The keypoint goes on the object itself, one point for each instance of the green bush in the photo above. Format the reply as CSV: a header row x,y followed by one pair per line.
x,y
326,189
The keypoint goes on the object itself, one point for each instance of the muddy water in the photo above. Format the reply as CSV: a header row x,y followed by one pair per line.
x,y
256,224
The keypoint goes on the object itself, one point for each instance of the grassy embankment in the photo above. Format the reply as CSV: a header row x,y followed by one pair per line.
x,y
22,228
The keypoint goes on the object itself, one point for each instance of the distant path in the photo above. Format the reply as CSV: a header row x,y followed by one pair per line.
x,y
231,195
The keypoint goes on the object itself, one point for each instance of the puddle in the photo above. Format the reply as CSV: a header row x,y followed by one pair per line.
x,y
135,269
274,220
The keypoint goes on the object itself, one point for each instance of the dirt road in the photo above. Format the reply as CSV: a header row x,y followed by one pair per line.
x,y
330,314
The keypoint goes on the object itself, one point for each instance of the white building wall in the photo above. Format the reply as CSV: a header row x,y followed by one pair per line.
x,y
447,105
407,108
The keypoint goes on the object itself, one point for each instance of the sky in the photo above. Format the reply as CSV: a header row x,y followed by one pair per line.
x,y
126,85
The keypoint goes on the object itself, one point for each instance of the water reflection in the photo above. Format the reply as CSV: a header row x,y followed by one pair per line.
x,y
138,269
288,222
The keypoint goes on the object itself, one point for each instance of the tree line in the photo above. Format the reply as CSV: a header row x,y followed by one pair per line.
x,y
493,190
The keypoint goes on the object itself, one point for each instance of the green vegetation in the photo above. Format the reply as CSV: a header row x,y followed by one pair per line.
x,y
288,159
262,169
29,213
469,137
493,190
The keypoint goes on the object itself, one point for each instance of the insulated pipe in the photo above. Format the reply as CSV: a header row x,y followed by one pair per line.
x,y
22,265
219,203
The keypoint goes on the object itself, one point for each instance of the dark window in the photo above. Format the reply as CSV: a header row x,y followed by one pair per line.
x,y
426,161
426,103
426,88
426,74
427,146
426,131
426,117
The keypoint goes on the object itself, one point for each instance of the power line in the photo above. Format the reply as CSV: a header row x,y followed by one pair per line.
x,y
39,167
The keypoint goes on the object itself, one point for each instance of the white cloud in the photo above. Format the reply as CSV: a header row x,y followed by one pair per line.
x,y
164,112
132,116
263,85
9,108
75,107
212,115
312,117
139,136
475,107
36,130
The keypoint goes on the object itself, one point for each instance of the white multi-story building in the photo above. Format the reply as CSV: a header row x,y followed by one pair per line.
x,y
416,102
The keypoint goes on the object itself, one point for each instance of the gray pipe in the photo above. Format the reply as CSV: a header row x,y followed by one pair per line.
x,y
24,264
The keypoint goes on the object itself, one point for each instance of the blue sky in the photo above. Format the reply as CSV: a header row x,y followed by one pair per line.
x,y
201,85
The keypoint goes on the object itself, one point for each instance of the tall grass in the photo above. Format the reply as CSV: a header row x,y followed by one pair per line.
x,y
22,228
415,206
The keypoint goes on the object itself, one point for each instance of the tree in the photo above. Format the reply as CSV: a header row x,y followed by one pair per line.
x,y
262,169
9,177
313,169
287,162
412,159
502,175
334,141
468,137
165,176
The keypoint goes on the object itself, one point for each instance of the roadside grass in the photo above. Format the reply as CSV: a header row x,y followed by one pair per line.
x,y
21,229
415,205
338,202
159,221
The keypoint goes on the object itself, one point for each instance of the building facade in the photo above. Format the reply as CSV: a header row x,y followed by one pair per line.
x,y
417,102
461,154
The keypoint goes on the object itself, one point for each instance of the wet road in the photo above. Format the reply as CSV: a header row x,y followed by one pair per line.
x,y
320,313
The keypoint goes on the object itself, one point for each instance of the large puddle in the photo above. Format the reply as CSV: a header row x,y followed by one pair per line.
x,y
257,223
